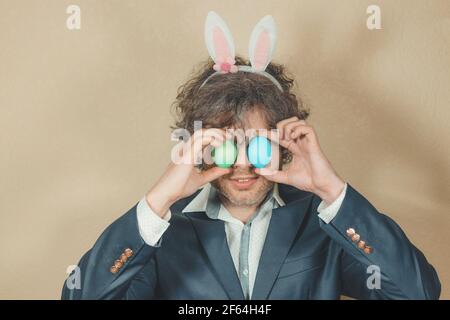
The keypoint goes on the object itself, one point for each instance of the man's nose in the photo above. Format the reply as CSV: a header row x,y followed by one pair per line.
x,y
242,160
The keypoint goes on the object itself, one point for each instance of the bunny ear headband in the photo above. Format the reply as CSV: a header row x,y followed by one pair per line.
x,y
220,44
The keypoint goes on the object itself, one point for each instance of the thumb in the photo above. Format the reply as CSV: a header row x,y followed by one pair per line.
x,y
273,175
214,173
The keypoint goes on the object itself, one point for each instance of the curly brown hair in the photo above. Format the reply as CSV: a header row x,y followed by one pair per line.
x,y
224,98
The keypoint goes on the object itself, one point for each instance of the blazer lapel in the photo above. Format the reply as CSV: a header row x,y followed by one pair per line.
x,y
211,234
284,226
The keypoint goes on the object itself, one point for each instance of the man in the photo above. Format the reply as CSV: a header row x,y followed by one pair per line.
x,y
292,230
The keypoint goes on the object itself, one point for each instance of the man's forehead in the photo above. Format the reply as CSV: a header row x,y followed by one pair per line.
x,y
254,118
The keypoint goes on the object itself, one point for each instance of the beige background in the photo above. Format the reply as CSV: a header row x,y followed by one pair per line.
x,y
85,115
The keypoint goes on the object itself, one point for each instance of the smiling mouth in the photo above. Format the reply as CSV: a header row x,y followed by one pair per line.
x,y
243,182
243,179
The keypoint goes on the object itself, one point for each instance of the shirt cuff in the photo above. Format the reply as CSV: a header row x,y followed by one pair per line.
x,y
327,213
151,226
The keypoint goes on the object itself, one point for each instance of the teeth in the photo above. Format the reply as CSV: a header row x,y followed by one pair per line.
x,y
243,180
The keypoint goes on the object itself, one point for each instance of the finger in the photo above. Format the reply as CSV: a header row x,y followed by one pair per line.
x,y
283,123
290,145
207,136
178,148
204,138
194,148
290,127
212,140
213,174
277,176
274,135
291,119
207,155
240,136
276,143
215,131
203,151
303,130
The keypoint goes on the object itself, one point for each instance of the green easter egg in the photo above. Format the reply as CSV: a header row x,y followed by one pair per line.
x,y
225,155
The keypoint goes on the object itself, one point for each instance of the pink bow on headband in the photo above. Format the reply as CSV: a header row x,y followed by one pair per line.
x,y
226,65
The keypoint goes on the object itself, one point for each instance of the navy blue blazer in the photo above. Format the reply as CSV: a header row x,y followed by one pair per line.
x,y
302,257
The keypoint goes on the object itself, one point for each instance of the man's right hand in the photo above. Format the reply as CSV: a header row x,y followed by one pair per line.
x,y
181,180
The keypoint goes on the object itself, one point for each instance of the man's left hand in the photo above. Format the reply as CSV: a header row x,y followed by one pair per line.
x,y
309,169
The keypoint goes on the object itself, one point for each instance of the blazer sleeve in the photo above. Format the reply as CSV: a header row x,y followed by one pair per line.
x,y
136,277
381,245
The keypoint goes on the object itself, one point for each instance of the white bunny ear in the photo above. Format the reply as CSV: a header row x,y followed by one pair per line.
x,y
262,43
218,39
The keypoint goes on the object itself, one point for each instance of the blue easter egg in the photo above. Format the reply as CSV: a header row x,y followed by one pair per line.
x,y
259,151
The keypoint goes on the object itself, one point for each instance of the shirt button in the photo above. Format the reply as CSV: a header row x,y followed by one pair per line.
x,y
245,272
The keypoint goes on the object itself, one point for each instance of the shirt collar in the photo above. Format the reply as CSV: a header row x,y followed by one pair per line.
x,y
208,201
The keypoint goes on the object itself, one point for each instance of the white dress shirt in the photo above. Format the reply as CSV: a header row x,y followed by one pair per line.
x,y
152,227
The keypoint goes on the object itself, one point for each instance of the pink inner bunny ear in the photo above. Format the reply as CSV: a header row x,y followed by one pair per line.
x,y
262,43
221,45
218,38
261,51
